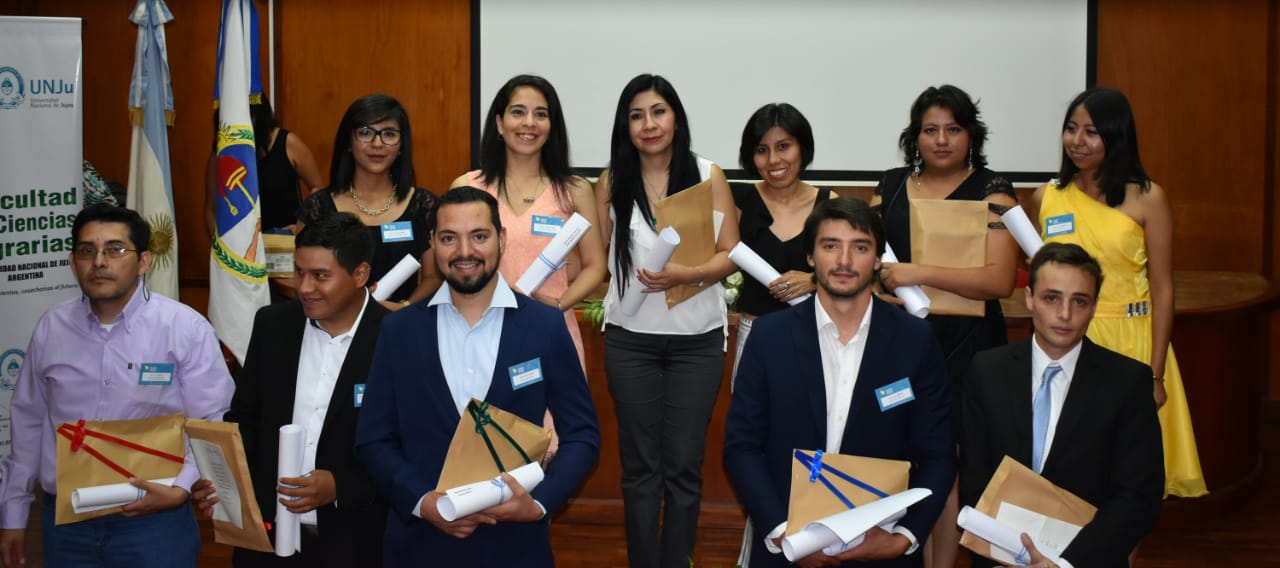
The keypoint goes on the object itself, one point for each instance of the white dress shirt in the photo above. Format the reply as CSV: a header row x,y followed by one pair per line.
x,y
1039,361
469,353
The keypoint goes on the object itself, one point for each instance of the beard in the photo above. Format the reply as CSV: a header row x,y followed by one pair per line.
x,y
476,282
858,289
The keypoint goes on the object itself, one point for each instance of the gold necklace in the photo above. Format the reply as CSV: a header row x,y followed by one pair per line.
x,y
915,177
537,192
373,212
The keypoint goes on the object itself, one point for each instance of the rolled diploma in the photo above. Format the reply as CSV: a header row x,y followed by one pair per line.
x,y
293,439
999,534
845,529
1022,230
917,303
762,271
396,277
553,254
473,498
100,497
668,240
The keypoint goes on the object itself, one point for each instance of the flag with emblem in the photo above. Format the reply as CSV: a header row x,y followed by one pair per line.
x,y
151,112
237,263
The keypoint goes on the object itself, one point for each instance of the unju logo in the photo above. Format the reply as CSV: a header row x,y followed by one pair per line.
x,y
11,90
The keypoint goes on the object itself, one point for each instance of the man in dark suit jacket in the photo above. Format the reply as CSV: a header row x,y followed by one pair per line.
x,y
474,338
795,357
306,364
1103,436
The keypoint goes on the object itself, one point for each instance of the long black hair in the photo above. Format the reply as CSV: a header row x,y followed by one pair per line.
x,y
626,186
554,156
783,116
1121,164
371,109
963,110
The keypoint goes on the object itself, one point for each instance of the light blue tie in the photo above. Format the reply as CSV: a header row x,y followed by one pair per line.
x,y
1040,410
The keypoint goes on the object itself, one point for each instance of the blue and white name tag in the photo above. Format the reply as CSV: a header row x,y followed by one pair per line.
x,y
155,374
546,226
526,373
359,395
397,232
1060,225
894,394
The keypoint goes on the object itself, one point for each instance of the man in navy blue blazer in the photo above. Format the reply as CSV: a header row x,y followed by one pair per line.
x,y
842,372
467,341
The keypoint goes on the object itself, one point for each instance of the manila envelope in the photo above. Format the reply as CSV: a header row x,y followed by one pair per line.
x,y
485,432
952,234
111,451
691,214
813,500
219,453
1017,484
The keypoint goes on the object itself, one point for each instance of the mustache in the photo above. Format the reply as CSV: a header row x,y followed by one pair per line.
x,y
474,259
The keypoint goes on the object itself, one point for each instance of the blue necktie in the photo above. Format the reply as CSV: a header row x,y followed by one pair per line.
x,y
1040,410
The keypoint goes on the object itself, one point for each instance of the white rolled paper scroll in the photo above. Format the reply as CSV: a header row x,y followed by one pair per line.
x,y
1000,535
666,245
473,498
396,277
553,254
916,302
98,497
1022,230
758,268
844,530
293,440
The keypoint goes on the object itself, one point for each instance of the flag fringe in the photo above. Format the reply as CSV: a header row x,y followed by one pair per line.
x,y
253,100
136,114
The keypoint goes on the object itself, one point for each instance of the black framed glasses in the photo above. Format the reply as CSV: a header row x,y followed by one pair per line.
x,y
86,252
389,136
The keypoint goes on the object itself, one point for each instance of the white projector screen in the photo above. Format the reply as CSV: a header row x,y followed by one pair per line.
x,y
853,67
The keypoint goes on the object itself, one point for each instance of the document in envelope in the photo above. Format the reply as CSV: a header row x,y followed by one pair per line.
x,y
1017,500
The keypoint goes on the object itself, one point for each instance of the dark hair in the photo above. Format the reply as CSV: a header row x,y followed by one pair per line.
x,y
343,234
366,110
626,186
468,194
1121,164
554,155
139,229
264,122
783,116
1068,254
856,211
962,108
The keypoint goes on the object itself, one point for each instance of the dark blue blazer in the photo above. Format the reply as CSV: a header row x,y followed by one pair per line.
x,y
779,405
409,418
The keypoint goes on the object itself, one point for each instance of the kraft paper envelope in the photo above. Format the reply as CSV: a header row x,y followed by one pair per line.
x,y
219,453
953,234
691,214
112,451
489,441
1016,484
813,500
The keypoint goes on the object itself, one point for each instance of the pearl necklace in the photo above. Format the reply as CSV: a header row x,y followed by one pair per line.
x,y
373,212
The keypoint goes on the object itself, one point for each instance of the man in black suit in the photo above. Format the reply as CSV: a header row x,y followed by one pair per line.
x,y
1079,415
306,365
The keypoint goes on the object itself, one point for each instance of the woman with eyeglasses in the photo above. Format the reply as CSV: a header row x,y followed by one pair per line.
x,y
371,176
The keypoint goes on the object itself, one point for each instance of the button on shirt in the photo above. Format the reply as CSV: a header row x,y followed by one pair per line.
x,y
319,364
75,368
469,353
1058,388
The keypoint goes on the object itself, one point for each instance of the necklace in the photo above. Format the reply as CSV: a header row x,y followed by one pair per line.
x,y
373,212
524,197
916,177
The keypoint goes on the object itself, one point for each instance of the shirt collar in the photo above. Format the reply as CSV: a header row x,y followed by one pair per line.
x,y
141,296
503,297
828,326
354,325
1040,360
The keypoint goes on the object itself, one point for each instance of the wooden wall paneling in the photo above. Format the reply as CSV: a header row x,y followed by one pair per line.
x,y
1273,192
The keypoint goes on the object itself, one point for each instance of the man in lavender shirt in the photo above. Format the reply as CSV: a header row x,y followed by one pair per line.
x,y
85,361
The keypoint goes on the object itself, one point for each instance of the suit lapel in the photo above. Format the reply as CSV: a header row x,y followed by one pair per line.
x,y
872,368
809,358
435,383
1078,395
1015,384
292,343
355,366
513,330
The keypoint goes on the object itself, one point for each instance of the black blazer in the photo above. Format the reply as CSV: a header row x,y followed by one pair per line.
x,y
1106,448
779,404
351,528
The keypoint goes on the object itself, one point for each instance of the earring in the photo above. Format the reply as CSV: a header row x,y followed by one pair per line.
x,y
969,162
916,163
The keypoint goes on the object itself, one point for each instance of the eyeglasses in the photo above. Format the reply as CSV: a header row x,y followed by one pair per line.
x,y
85,252
389,136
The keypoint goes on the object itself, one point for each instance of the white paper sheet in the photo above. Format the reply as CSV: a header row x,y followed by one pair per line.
x,y
758,268
396,277
462,501
666,245
100,497
915,300
213,466
551,257
1050,536
293,440
1022,230
845,529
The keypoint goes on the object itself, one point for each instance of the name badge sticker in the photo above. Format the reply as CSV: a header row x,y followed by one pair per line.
x,y
1060,225
155,374
359,395
526,373
397,232
546,226
895,394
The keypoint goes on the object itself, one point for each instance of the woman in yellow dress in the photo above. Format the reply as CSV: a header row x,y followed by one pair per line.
x,y
1104,202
